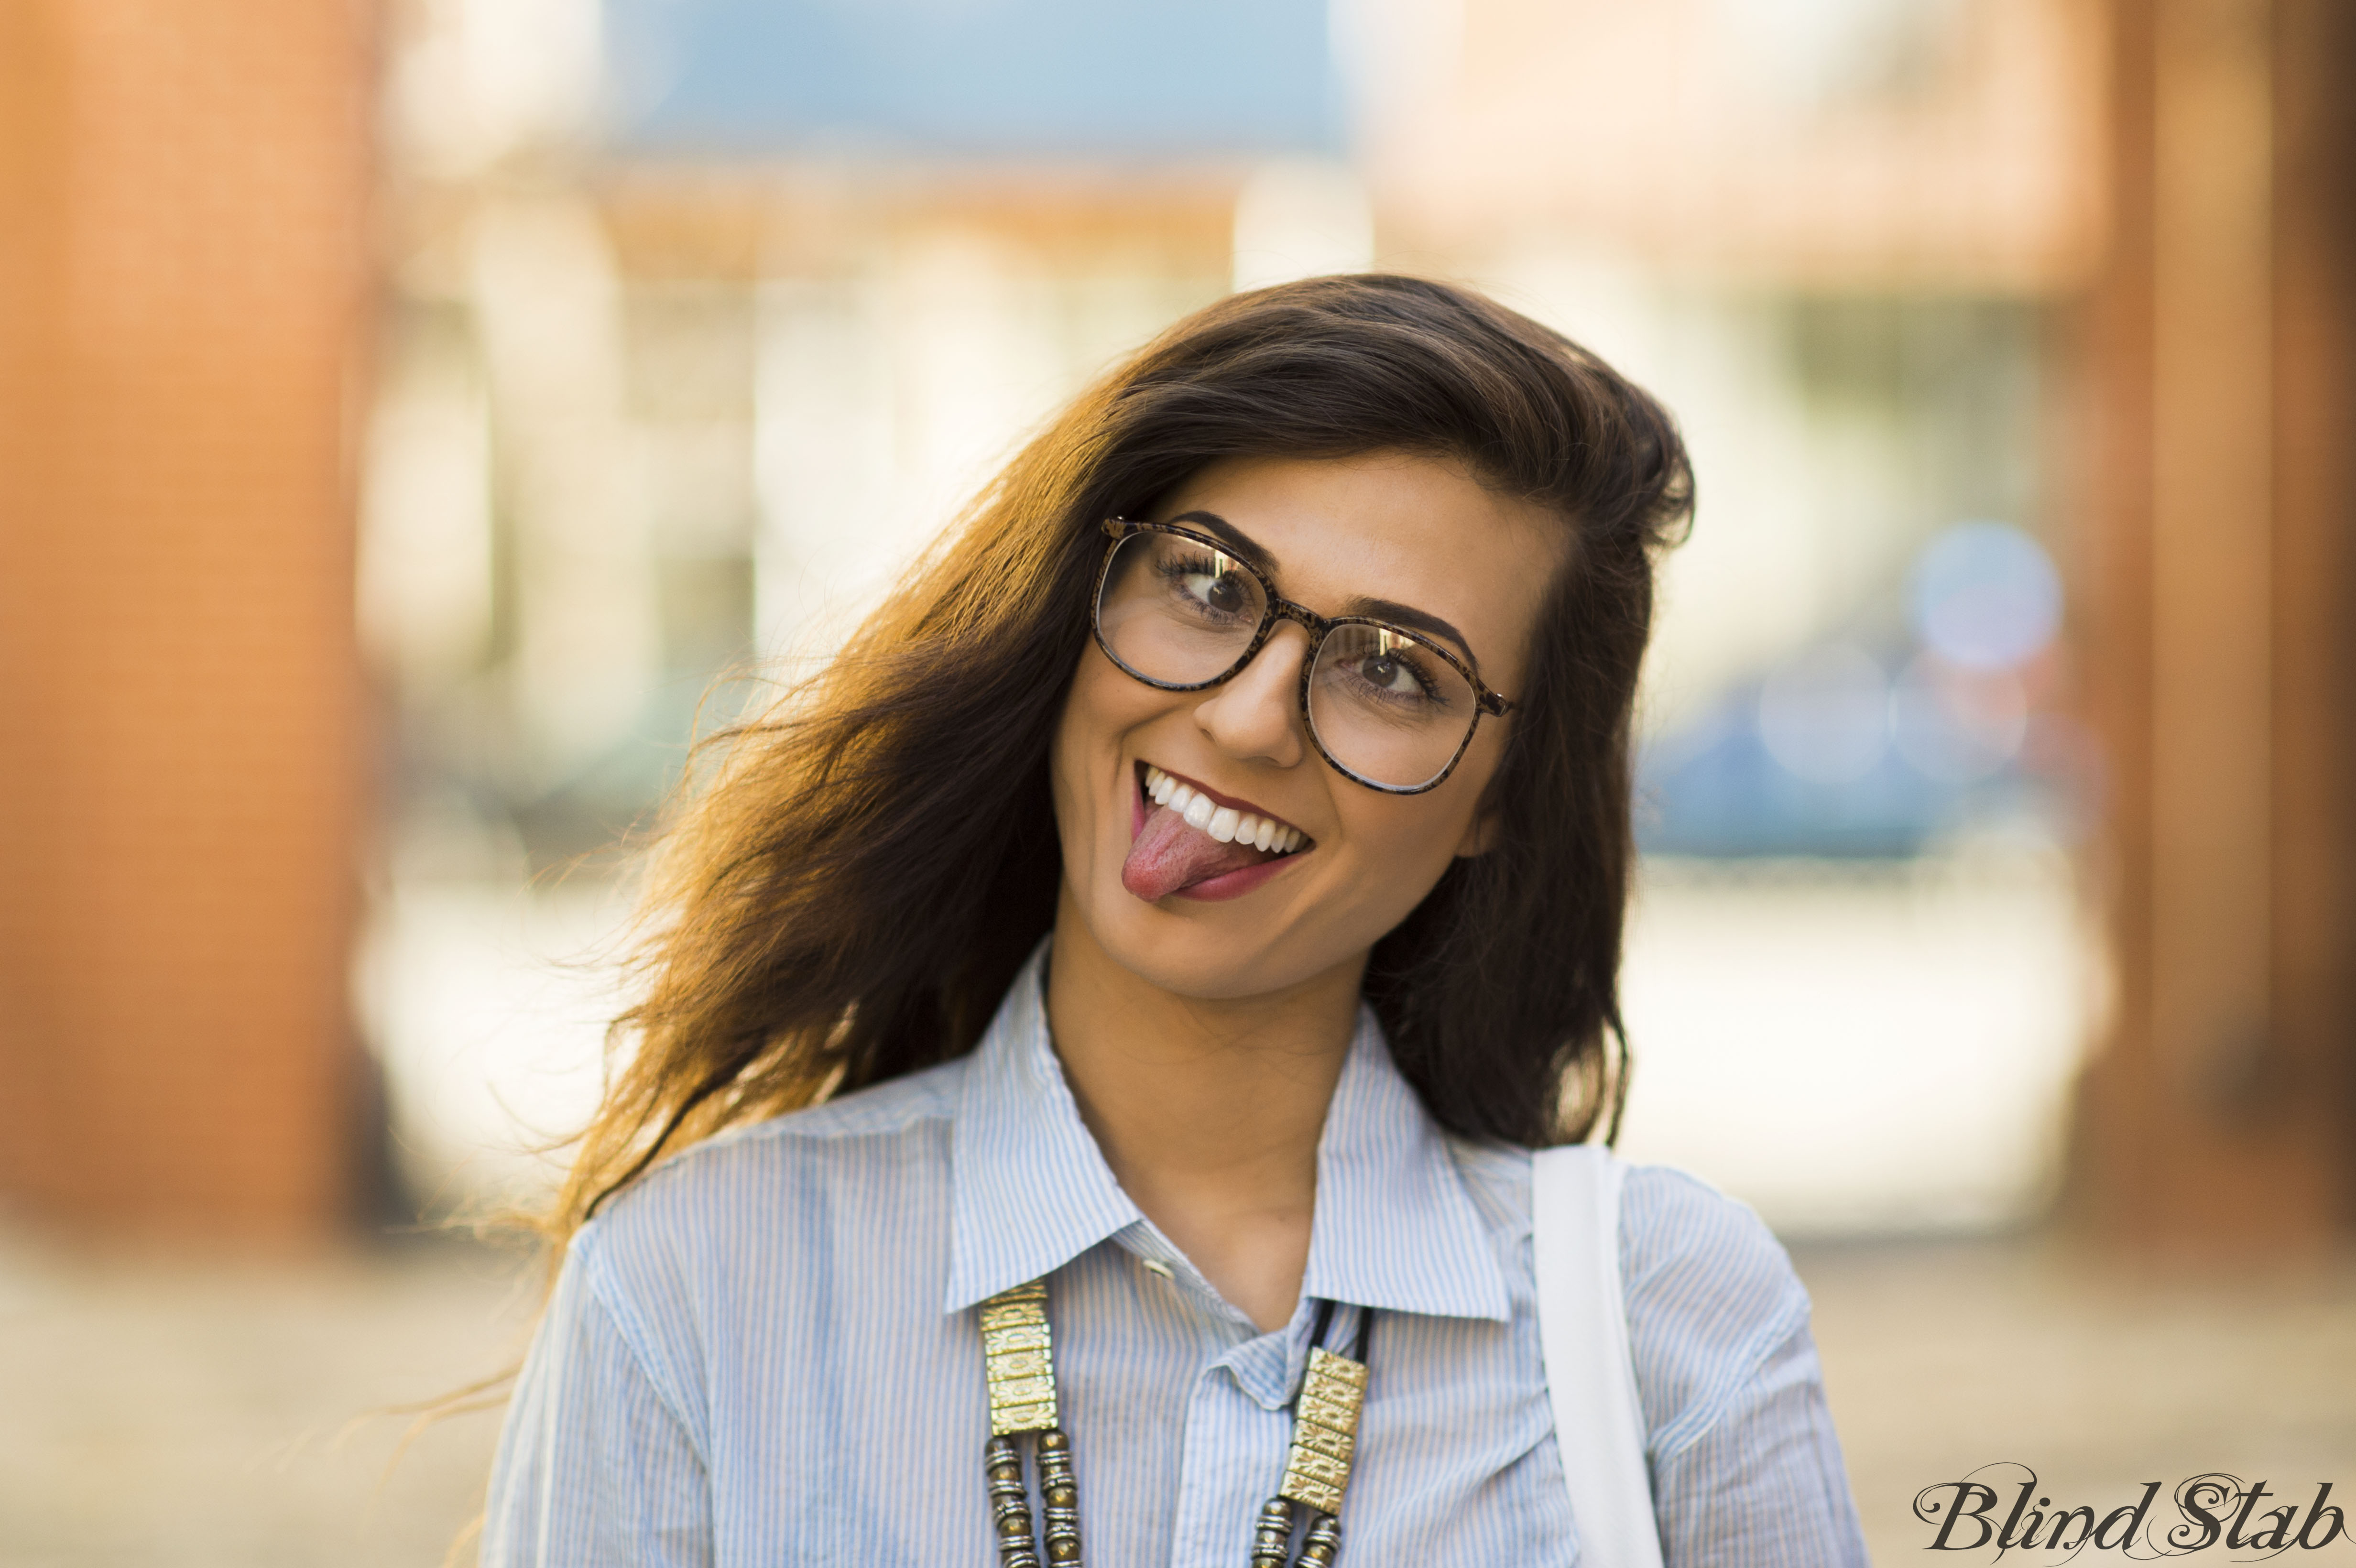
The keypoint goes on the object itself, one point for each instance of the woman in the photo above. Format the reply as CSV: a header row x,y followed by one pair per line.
x,y
1170,927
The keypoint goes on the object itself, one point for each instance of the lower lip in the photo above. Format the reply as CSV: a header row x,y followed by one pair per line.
x,y
1233,884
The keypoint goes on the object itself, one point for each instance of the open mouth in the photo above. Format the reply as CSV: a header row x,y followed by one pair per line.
x,y
1188,839
1205,812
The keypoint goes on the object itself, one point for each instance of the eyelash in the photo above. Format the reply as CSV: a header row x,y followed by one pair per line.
x,y
1177,569
1410,659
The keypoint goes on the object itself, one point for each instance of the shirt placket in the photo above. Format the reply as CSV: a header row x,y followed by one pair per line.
x,y
1238,1423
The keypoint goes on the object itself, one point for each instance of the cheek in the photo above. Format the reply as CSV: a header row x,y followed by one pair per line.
x,y
1403,844
1102,706
1399,848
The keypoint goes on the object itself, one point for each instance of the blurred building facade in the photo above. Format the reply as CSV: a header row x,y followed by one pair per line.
x,y
185,302
2222,565
700,317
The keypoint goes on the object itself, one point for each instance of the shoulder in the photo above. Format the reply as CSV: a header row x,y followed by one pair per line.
x,y
779,1183
1713,1304
707,1258
1680,1234
1680,1237
1711,1298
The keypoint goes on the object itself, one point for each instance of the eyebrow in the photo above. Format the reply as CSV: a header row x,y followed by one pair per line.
x,y
1234,537
1413,619
1258,555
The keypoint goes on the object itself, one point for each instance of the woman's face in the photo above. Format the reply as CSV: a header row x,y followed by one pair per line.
x,y
1341,536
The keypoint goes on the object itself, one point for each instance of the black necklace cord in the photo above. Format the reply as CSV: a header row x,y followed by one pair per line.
x,y
1326,1321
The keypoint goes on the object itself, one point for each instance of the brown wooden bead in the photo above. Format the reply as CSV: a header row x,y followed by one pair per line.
x,y
1274,1538
1010,1499
1060,1491
1323,1544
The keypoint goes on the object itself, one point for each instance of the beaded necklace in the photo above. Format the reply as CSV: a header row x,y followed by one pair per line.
x,y
1019,1365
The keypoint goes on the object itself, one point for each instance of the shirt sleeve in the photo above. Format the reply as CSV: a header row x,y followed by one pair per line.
x,y
1747,1472
595,1470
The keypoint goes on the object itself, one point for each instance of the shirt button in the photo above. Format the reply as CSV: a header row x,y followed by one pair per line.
x,y
1155,1265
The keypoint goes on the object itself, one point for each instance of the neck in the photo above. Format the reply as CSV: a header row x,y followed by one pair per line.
x,y
1208,1112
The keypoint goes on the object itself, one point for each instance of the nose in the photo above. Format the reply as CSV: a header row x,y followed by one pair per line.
x,y
1255,714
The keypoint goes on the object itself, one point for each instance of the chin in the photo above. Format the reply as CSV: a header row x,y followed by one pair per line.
x,y
1207,965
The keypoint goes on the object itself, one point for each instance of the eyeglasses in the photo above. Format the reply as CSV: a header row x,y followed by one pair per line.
x,y
1386,706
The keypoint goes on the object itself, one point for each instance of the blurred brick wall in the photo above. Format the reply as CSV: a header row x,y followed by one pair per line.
x,y
183,288
2221,591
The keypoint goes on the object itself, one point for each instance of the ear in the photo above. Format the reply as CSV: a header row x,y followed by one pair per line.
x,y
1480,833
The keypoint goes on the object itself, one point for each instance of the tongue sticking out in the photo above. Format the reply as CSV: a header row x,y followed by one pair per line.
x,y
1168,856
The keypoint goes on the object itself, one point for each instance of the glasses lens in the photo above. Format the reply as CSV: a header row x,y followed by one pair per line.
x,y
1387,707
1176,612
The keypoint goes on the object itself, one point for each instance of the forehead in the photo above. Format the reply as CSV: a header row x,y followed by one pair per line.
x,y
1416,530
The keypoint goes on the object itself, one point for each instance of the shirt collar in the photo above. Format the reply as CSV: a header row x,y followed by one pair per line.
x,y
1030,1189
1395,1228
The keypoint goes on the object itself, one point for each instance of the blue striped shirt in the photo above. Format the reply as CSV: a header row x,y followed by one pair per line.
x,y
766,1351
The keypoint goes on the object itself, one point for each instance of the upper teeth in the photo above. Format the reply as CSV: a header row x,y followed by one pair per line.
x,y
1223,823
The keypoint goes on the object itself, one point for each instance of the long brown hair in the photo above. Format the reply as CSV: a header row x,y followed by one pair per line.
x,y
847,896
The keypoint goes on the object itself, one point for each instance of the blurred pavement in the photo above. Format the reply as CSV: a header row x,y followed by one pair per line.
x,y
1941,1357
184,1412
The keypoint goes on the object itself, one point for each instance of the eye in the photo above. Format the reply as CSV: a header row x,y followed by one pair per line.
x,y
1391,674
1395,671
1212,581
1223,592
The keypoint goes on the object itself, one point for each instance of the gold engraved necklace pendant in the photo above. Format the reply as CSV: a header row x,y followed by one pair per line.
x,y
1324,1443
1018,1358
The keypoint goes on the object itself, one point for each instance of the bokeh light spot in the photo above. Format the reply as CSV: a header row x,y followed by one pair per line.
x,y
1986,596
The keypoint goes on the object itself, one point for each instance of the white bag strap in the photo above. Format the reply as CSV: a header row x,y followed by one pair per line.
x,y
1599,1425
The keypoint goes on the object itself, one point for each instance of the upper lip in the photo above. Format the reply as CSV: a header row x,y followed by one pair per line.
x,y
1219,797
